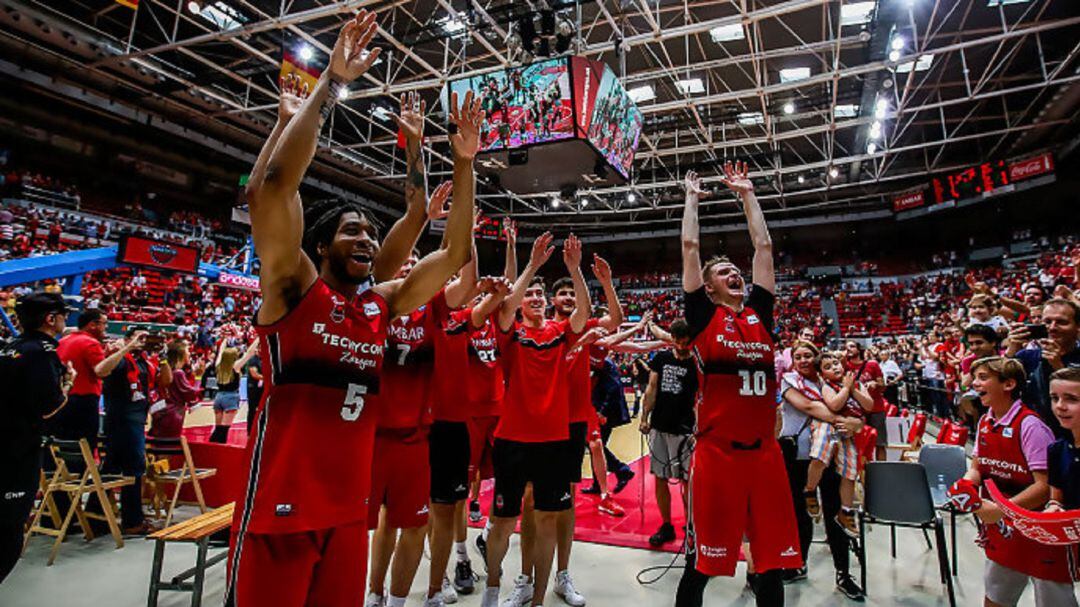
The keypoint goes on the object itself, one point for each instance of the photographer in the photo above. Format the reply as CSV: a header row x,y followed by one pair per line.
x,y
1054,347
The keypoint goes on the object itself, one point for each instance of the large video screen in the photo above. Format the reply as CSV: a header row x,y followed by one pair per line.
x,y
615,126
135,250
525,105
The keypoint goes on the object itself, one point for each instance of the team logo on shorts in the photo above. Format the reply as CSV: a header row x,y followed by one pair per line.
x,y
712,552
498,501
789,552
283,510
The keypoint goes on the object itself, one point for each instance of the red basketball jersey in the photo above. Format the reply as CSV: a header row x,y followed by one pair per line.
x,y
404,399
738,384
450,400
536,408
487,383
578,378
310,454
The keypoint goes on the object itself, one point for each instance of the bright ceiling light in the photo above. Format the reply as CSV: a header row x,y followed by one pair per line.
x,y
631,198
898,43
871,148
881,109
691,86
381,113
306,53
894,55
555,202
751,118
834,172
921,64
792,74
343,93
802,179
641,93
846,110
789,108
727,33
1005,2
856,13
454,26
875,130
194,7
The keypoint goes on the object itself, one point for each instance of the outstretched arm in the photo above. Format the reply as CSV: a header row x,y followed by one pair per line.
x,y
602,271
572,259
691,235
403,235
615,339
735,178
463,288
496,289
432,272
541,252
511,269
660,334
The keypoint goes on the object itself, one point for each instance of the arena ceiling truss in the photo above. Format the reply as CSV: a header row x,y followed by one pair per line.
x,y
837,105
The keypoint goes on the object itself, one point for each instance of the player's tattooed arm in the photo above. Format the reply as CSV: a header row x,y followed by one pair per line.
x,y
736,178
402,237
691,235
541,252
572,259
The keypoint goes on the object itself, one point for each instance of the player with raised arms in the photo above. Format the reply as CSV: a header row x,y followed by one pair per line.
x,y
301,527
738,483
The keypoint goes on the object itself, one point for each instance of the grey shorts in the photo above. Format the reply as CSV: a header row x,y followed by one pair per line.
x,y
877,422
1004,586
669,455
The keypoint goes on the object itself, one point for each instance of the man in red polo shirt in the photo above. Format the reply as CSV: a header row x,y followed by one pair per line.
x,y
869,375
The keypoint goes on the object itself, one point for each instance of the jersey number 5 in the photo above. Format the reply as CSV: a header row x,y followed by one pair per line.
x,y
354,402
756,384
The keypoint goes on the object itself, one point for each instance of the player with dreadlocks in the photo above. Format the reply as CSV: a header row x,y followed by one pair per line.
x,y
301,528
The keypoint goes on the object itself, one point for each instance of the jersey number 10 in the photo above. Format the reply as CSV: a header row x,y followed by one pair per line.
x,y
753,384
354,402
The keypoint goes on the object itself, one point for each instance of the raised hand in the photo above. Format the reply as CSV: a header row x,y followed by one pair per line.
x,y
571,253
437,208
467,117
736,178
541,250
510,230
293,93
350,58
601,269
411,118
495,285
693,184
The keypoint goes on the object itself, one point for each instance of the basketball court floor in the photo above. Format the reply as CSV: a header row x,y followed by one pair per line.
x,y
94,574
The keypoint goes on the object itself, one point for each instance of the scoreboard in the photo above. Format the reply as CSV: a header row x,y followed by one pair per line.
x,y
979,181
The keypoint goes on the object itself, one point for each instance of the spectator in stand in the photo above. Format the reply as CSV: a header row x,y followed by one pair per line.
x,y
868,373
167,416
892,374
1057,350
227,399
980,311
933,379
83,350
982,342
1063,457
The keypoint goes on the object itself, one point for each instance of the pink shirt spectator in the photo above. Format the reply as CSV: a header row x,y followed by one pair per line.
x,y
1035,436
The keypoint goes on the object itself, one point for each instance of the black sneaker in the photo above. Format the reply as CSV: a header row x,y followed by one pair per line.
x,y
791,576
751,583
625,476
593,489
474,512
850,588
481,547
665,534
464,580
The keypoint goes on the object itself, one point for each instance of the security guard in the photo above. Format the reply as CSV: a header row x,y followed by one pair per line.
x,y
35,385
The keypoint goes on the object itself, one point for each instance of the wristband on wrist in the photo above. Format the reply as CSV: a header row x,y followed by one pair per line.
x,y
332,96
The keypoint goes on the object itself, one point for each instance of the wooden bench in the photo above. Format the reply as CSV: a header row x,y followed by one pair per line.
x,y
196,530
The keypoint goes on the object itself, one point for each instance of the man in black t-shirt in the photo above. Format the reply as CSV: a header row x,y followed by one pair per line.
x,y
667,418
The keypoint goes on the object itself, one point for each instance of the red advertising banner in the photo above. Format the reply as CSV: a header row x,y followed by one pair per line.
x,y
908,200
1053,528
1031,167
239,281
586,75
139,251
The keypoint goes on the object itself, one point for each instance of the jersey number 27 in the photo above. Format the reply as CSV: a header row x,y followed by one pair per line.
x,y
354,402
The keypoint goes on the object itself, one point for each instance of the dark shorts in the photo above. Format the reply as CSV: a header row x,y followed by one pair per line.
x,y
518,464
575,450
877,422
449,459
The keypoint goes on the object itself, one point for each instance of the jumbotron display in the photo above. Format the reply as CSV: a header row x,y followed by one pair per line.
x,y
554,124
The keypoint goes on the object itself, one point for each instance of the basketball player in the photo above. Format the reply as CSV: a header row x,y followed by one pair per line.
x,y
534,427
301,529
738,484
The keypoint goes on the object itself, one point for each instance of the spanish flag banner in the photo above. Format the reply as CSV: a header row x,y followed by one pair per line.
x,y
132,4
293,64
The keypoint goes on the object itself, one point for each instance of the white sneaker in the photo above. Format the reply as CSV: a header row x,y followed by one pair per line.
x,y
564,587
449,595
435,601
491,597
374,600
522,594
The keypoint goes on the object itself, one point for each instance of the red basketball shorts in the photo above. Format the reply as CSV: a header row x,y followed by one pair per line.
x,y
401,481
481,441
737,492
324,568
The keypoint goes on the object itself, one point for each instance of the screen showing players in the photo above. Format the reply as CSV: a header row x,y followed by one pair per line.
x,y
525,105
616,124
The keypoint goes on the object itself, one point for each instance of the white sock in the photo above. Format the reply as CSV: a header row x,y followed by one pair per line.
x,y
462,554
487,529
395,601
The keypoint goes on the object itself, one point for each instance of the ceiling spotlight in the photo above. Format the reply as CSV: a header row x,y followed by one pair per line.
x,y
584,202
875,130
194,7
871,148
894,55
834,172
343,93
555,202
306,53
898,43
802,179
881,108
789,108
631,198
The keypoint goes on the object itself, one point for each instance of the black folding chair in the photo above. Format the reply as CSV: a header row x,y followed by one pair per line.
x,y
898,495
945,464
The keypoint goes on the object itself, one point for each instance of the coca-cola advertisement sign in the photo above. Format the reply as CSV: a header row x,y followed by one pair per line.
x,y
1031,167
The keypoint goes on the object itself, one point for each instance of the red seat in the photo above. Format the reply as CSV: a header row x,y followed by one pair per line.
x,y
953,434
918,429
891,410
866,443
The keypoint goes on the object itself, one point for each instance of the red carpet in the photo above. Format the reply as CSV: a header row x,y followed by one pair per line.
x,y
632,530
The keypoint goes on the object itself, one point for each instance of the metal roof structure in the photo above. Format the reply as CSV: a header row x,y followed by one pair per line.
x,y
836,104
